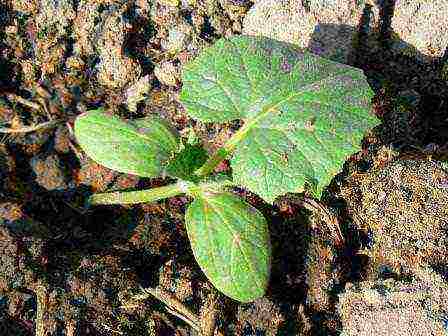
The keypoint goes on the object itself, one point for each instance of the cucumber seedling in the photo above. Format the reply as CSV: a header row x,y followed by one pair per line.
x,y
302,115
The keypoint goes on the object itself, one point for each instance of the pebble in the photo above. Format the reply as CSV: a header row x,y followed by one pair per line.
x,y
167,73
178,38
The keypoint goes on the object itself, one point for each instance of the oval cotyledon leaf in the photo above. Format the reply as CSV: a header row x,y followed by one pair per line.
x,y
230,242
141,147
303,115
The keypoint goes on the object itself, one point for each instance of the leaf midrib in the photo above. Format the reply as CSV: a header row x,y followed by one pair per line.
x,y
252,122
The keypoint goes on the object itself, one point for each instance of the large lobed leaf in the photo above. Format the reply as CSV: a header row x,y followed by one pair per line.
x,y
141,147
304,115
230,242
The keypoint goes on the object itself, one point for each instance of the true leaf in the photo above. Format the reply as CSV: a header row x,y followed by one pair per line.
x,y
304,115
141,147
230,242
190,158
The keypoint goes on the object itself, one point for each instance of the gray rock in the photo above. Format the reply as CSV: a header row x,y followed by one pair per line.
x,y
420,28
391,308
327,30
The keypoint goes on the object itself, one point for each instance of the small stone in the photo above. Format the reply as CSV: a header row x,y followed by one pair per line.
x,y
137,93
171,3
178,38
167,73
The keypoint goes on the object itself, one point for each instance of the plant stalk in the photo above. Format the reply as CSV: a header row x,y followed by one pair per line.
x,y
140,196
156,194
223,152
210,165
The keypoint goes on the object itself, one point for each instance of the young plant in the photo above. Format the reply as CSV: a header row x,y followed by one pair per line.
x,y
303,116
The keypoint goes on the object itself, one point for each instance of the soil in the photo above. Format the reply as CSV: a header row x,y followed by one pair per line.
x,y
69,269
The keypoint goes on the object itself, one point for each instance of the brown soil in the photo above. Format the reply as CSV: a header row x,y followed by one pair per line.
x,y
84,264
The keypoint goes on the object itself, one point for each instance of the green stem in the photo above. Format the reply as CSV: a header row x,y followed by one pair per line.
x,y
156,194
212,162
140,196
223,152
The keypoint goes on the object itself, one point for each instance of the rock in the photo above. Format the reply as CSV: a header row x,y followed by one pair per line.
x,y
404,207
48,172
327,30
419,28
391,308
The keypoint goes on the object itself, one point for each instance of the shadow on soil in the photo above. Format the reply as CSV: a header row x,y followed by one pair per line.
x,y
69,229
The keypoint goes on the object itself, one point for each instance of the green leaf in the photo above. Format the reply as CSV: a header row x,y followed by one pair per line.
x,y
190,158
230,241
141,147
304,115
